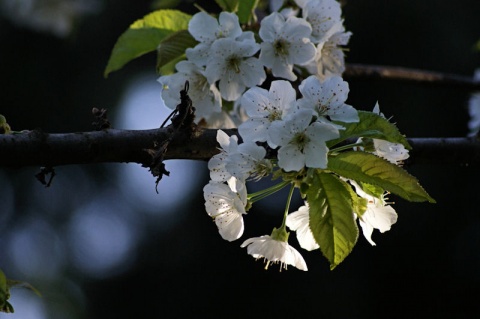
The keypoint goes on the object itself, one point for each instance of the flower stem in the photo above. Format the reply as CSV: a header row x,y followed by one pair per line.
x,y
287,206
345,147
266,192
281,233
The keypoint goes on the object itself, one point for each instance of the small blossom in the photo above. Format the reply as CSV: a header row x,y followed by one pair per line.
x,y
206,29
274,251
392,152
232,63
226,204
207,97
301,143
249,162
322,15
222,119
395,153
285,43
239,160
377,216
275,5
327,98
299,221
264,107
330,58
217,164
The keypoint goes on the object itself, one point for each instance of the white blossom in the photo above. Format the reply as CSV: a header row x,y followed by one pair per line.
x,y
222,119
301,3
299,221
327,98
301,143
285,43
392,152
206,29
217,164
274,251
248,162
322,15
226,204
330,58
264,107
206,96
239,160
232,63
377,216
395,153
275,5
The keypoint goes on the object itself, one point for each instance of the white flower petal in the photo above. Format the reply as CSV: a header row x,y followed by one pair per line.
x,y
254,130
202,27
230,225
290,158
299,221
226,204
274,251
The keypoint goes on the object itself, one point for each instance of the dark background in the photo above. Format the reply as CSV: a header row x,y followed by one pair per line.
x,y
426,266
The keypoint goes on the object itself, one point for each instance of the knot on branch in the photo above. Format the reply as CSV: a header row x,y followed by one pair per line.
x,y
101,121
183,120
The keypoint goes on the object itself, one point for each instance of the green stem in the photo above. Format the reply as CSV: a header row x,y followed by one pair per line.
x,y
281,233
287,206
345,147
266,192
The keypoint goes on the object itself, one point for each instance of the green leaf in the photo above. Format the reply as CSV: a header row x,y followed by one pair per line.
x,y
331,216
370,125
359,204
372,190
144,36
173,47
228,5
246,11
368,168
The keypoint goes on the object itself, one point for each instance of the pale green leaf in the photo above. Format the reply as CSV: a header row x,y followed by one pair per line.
x,y
359,204
370,125
331,216
169,68
368,168
173,47
144,36
246,11
372,190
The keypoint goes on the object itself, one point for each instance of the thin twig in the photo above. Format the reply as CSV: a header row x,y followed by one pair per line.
x,y
364,71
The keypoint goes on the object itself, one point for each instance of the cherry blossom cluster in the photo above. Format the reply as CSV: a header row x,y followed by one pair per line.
x,y
303,46
227,60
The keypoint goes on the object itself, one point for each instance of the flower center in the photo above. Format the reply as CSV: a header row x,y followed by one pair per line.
x,y
262,169
300,140
274,115
323,109
233,63
281,47
199,83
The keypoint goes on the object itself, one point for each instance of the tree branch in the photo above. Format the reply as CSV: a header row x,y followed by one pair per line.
x,y
35,148
364,71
